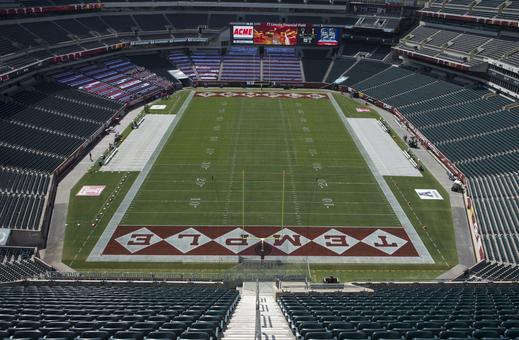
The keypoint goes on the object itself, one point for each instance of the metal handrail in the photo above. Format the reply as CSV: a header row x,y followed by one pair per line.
x,y
258,314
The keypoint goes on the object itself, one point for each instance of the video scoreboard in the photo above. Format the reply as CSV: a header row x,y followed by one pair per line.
x,y
285,34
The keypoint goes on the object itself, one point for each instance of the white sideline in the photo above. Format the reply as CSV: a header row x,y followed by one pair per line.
x,y
123,207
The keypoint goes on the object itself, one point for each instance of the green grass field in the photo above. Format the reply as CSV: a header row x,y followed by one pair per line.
x,y
261,161
246,146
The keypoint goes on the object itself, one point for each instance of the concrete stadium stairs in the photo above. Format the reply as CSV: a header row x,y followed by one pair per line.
x,y
243,322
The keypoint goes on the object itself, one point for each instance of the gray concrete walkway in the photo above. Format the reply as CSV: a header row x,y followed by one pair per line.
x,y
53,253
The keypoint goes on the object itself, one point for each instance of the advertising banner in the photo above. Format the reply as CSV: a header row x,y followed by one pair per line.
x,y
284,34
242,34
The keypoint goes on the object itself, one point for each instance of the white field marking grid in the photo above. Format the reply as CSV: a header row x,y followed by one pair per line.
x,y
303,149
340,142
270,212
267,191
190,181
237,131
287,128
99,245
169,165
261,201
284,114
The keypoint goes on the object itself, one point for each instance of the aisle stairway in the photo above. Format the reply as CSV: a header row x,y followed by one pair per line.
x,y
274,326
243,323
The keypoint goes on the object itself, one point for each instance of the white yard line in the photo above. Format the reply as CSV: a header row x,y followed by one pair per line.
x,y
266,191
237,131
257,212
249,181
288,130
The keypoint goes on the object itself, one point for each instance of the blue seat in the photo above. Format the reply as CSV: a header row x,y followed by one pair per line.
x,y
356,335
385,335
452,334
187,319
318,335
61,335
114,327
84,326
101,335
158,319
483,333
512,333
128,335
194,336
210,328
418,335
161,335
27,334
55,326
144,327
5,324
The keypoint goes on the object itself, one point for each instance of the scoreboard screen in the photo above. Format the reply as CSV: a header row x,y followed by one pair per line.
x,y
307,35
273,34
328,36
285,34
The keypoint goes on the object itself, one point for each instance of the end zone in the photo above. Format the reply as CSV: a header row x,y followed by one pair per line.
x,y
251,94
286,244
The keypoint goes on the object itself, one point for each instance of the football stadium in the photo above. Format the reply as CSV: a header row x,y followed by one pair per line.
x,y
259,169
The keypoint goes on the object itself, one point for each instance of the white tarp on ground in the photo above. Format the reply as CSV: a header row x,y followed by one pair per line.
x,y
135,151
382,149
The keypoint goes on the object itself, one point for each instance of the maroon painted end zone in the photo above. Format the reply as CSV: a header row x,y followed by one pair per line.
x,y
269,240
282,95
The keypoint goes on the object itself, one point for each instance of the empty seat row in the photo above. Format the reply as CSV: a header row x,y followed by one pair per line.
x,y
396,311
119,311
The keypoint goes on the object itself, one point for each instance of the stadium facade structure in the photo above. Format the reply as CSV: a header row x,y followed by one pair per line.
x,y
467,42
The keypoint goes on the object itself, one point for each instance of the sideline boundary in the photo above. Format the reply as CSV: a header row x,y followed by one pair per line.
x,y
399,212
95,255
130,195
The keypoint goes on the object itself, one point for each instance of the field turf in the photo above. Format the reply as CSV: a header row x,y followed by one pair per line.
x,y
257,140
260,161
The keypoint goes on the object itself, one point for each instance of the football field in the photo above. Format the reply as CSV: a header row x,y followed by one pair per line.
x,y
238,175
260,161
250,175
